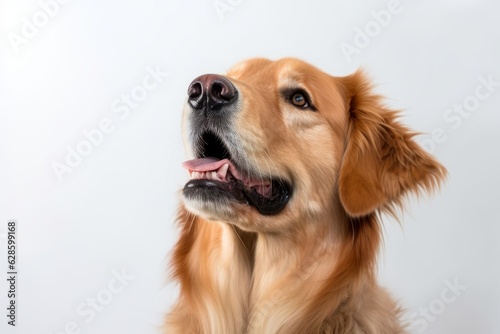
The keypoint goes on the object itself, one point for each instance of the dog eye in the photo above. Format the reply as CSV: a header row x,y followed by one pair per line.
x,y
299,100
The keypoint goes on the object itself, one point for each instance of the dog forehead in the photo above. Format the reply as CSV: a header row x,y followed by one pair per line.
x,y
282,65
281,69
281,73
287,74
293,72
249,68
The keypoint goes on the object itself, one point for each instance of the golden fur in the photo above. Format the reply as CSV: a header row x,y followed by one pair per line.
x,y
310,268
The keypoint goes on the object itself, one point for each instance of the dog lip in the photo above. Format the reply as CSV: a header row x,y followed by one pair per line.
x,y
212,190
280,195
224,170
225,177
211,177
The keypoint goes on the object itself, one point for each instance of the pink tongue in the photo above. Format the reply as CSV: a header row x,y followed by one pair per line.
x,y
204,164
208,165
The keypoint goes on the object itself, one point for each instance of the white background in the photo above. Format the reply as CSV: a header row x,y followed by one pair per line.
x,y
115,211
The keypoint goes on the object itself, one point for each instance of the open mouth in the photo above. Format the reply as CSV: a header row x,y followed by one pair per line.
x,y
215,175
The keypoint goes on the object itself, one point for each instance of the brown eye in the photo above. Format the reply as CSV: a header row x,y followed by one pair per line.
x,y
299,100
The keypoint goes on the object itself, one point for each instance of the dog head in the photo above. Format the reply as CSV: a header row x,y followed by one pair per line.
x,y
274,144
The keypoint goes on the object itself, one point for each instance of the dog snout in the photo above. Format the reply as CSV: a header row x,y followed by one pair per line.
x,y
211,92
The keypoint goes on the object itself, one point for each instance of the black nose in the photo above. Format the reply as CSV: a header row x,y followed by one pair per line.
x,y
211,91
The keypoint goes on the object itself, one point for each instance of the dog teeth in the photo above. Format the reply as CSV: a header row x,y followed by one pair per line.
x,y
197,175
194,175
217,175
222,171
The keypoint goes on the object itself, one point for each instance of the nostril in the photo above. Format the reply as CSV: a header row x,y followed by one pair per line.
x,y
217,90
222,91
195,90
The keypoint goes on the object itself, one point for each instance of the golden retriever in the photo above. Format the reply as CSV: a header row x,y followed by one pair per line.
x,y
280,221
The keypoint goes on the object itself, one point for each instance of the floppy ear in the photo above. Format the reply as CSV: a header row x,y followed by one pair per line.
x,y
381,162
